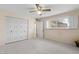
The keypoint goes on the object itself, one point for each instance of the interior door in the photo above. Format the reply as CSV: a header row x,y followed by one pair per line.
x,y
39,29
16,29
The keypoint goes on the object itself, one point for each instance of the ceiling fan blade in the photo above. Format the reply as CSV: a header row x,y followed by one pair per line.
x,y
46,10
32,11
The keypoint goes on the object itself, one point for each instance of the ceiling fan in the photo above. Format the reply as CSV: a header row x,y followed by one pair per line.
x,y
39,9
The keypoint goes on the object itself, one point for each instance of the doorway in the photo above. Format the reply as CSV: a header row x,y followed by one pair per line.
x,y
39,29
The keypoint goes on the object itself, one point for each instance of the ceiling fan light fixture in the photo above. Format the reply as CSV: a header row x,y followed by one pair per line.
x,y
39,12
39,9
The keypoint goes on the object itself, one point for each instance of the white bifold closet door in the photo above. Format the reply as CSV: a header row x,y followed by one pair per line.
x,y
16,29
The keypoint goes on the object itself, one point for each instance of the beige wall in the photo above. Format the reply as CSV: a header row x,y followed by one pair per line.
x,y
65,36
61,35
31,31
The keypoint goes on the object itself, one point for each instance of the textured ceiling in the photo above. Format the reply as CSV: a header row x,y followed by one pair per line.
x,y
24,9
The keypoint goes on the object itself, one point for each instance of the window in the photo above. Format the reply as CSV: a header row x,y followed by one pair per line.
x,y
62,23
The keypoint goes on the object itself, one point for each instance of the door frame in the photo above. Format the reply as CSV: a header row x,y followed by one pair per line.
x,y
36,28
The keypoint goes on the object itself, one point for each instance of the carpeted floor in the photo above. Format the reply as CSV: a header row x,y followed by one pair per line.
x,y
38,47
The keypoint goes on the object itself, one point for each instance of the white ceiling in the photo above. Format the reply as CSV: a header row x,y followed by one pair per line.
x,y
23,9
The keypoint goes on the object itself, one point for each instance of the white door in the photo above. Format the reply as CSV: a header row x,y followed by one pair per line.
x,y
16,29
39,30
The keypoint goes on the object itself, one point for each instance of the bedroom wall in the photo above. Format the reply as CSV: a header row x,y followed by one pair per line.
x,y
32,29
66,36
31,33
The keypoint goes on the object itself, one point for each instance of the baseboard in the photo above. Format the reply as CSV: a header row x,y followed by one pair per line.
x,y
15,41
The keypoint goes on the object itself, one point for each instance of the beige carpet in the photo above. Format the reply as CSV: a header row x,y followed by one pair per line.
x,y
37,46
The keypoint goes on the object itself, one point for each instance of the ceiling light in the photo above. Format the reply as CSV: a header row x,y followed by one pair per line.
x,y
39,12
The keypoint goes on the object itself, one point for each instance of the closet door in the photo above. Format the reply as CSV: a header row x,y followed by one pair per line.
x,y
20,29
9,30
16,29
